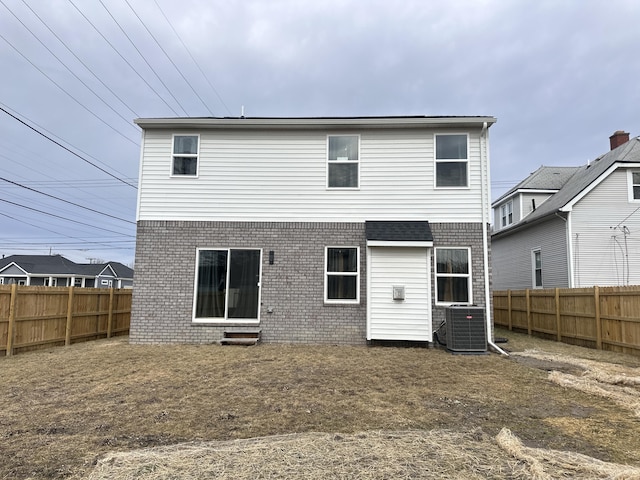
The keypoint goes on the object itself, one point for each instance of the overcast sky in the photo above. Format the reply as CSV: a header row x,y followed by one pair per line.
x,y
560,76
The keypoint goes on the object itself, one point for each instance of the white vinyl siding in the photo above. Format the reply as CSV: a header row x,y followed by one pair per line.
x,y
601,256
408,319
281,176
528,200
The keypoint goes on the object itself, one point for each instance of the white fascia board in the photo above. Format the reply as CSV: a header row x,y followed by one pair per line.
x,y
14,264
569,205
108,267
311,123
396,243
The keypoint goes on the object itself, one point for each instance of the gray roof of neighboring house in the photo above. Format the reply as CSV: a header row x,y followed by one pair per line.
x,y
584,176
544,178
59,265
398,231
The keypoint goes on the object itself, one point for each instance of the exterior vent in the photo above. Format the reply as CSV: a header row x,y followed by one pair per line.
x,y
466,332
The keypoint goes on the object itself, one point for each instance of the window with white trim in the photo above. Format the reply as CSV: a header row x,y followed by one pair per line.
x,y
342,275
184,155
452,161
453,275
343,161
506,214
634,181
536,266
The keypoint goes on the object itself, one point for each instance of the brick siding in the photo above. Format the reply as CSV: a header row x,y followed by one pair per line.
x,y
292,288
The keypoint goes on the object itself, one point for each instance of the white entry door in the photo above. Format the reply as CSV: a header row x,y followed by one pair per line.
x,y
399,294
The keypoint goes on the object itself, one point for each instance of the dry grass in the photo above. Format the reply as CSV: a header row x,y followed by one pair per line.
x,y
410,412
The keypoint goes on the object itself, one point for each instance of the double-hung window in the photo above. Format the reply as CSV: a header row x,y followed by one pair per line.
x,y
342,275
506,214
536,263
343,161
184,155
453,275
634,185
452,160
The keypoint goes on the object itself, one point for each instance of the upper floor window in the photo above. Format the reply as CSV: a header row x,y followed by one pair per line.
x,y
453,275
452,160
185,155
342,275
506,214
634,185
343,154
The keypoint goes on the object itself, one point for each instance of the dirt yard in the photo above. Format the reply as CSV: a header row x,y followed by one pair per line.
x,y
108,409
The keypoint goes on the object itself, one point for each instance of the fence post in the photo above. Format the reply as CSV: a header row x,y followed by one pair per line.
x,y
528,296
67,335
558,324
12,319
596,299
110,316
509,306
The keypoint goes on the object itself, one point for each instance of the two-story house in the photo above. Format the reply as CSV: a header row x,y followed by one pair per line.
x,y
312,230
572,226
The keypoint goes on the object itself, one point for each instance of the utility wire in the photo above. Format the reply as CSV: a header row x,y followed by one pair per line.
x,y
142,56
65,91
61,140
64,218
192,58
79,60
124,59
65,148
66,201
69,69
168,57
80,240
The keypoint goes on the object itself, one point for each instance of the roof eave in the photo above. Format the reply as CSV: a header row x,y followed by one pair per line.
x,y
314,122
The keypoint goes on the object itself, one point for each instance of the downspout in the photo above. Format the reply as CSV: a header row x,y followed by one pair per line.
x,y
567,222
484,169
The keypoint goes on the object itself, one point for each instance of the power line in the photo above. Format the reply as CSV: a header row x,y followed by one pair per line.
x,y
66,201
70,96
64,218
67,67
142,56
65,148
192,58
80,240
124,59
62,140
126,105
168,57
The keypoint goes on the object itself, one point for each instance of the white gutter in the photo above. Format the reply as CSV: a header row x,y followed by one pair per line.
x,y
484,168
569,234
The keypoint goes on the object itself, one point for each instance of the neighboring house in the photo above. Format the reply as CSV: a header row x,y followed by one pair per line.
x,y
572,226
313,230
57,271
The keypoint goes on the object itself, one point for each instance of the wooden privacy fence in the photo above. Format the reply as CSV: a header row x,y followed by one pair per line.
x,y
600,317
40,317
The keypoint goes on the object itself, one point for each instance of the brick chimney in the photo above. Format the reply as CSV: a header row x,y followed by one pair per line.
x,y
618,138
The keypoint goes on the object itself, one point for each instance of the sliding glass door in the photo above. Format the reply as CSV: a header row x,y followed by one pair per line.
x,y
228,284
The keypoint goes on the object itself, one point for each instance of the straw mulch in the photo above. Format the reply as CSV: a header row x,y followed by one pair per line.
x,y
619,383
368,455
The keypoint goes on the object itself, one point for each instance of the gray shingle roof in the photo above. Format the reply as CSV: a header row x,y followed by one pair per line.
x,y
628,152
544,178
59,265
398,231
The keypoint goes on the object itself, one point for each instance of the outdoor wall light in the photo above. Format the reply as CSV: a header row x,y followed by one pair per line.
x,y
271,257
